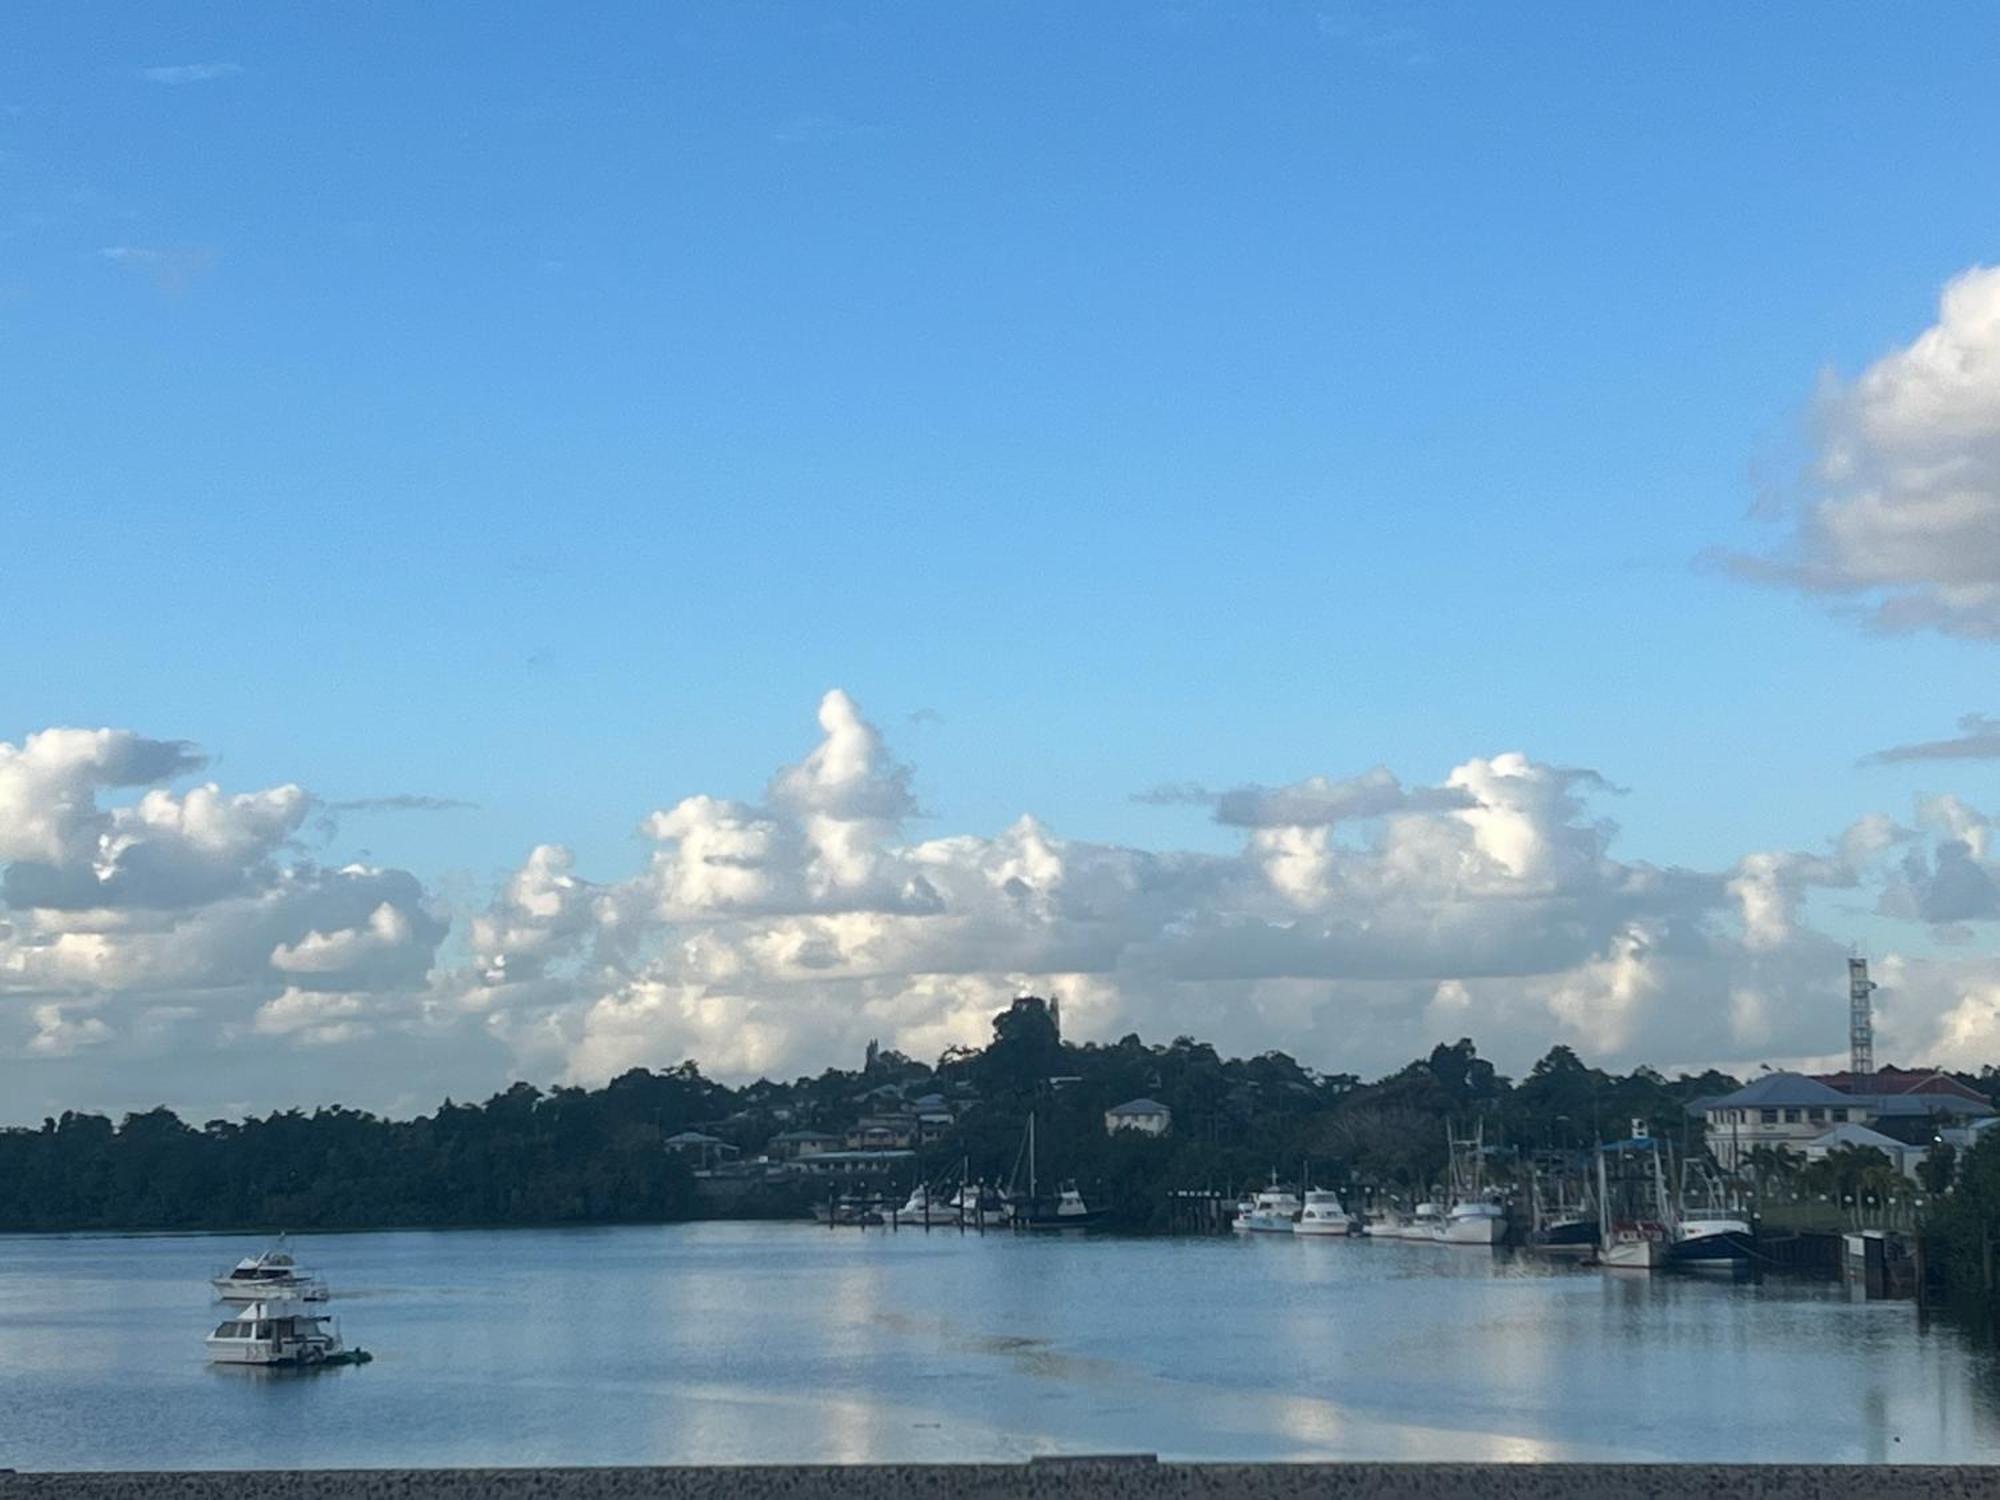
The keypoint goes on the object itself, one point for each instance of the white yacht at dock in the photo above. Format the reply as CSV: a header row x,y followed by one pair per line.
x,y
1275,1210
1324,1213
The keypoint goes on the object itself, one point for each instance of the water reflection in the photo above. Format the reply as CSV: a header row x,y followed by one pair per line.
x,y
734,1343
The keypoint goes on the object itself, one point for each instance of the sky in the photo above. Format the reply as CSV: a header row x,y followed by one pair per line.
x,y
728,530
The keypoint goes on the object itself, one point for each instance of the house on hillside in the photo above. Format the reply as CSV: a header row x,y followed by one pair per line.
x,y
1146,1116
702,1152
790,1145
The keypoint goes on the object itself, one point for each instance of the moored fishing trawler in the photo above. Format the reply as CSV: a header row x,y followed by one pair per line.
x,y
1563,1214
1031,1210
1324,1213
273,1273
280,1331
1636,1220
1473,1216
1710,1232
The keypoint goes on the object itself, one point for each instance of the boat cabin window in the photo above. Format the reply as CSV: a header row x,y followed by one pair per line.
x,y
263,1331
229,1331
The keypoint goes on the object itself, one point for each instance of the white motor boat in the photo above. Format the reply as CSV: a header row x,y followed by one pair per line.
x,y
1386,1223
921,1208
1324,1213
1240,1222
283,1331
978,1207
1273,1211
271,1274
1426,1222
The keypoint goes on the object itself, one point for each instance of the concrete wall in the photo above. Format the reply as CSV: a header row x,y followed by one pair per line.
x,y
1041,1480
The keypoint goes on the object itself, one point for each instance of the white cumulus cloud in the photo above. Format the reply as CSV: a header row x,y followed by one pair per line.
x,y
1901,511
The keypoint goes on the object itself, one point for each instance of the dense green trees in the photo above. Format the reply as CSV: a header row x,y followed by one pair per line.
x,y
575,1155
523,1157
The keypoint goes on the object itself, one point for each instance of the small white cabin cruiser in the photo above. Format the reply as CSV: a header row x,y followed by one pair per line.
x,y
273,1273
977,1206
282,1331
1426,1222
1273,1211
922,1208
1240,1220
1325,1214
1388,1222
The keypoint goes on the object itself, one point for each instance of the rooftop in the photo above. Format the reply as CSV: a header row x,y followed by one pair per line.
x,y
1775,1090
1139,1107
1858,1135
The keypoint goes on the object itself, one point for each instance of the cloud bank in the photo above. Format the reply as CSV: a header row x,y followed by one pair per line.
x,y
1978,738
1900,514
165,939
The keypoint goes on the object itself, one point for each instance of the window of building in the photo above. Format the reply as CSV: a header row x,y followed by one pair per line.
x,y
1769,1116
1815,1115
1840,1117
1791,1117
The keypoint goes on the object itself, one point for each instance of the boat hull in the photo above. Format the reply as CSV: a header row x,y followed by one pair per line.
x,y
1481,1230
1578,1236
1059,1223
1633,1255
305,1290
1327,1227
267,1359
1721,1247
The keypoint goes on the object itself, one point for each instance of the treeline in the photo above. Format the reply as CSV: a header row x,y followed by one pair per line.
x,y
523,1157
599,1156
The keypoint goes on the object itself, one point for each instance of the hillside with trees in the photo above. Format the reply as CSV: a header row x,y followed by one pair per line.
x,y
573,1155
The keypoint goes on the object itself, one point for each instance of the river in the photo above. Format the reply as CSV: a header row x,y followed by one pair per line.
x,y
727,1343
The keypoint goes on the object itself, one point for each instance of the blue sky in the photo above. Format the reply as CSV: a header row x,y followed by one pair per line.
x,y
543,408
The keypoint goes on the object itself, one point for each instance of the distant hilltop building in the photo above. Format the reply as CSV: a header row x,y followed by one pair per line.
x,y
1147,1116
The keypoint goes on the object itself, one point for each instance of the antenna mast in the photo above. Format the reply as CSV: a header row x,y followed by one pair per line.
x,y
1860,1019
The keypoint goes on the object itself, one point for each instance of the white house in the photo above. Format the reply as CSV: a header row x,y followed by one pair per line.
x,y
1785,1111
1147,1116
1902,1157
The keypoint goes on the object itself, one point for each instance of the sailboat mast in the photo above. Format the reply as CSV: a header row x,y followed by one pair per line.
x,y
1031,1157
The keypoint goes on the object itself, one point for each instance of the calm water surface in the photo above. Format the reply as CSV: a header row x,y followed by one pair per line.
x,y
737,1342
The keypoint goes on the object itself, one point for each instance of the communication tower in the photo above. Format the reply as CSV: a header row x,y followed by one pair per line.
x,y
1860,1019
